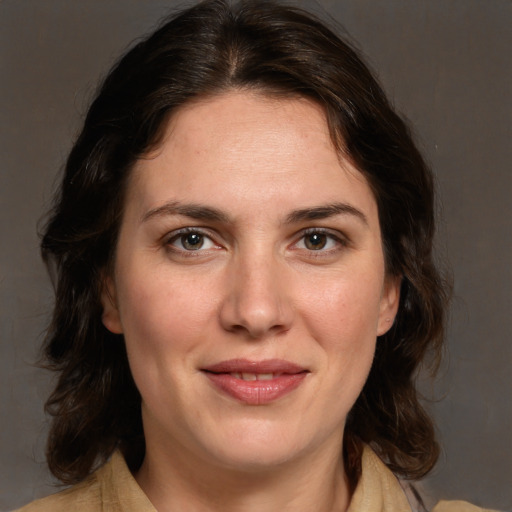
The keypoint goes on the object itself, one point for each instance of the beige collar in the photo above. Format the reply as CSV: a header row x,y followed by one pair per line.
x,y
378,489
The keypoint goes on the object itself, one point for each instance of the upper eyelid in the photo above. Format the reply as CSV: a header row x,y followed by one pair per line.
x,y
186,230
319,229
341,241
170,237
173,236
334,233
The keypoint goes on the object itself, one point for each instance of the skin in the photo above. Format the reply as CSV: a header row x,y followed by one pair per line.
x,y
256,289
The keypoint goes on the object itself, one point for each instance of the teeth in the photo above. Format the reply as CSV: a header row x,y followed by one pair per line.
x,y
252,376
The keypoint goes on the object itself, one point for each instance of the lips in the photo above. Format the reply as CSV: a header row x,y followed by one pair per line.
x,y
255,382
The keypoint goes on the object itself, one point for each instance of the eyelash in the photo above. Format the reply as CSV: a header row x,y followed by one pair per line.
x,y
339,241
181,233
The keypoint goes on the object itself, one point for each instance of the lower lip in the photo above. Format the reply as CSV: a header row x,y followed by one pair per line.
x,y
256,392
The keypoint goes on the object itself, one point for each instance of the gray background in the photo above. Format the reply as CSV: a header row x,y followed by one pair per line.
x,y
445,63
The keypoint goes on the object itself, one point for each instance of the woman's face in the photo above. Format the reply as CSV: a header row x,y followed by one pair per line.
x,y
249,284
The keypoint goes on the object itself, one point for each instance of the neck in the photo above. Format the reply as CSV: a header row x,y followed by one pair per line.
x,y
180,481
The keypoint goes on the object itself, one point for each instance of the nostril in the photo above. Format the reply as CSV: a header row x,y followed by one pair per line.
x,y
255,332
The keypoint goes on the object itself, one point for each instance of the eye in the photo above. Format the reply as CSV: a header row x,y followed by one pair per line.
x,y
190,240
315,241
319,240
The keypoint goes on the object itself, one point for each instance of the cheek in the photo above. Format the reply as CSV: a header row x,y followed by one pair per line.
x,y
163,321
343,321
346,309
156,300
162,325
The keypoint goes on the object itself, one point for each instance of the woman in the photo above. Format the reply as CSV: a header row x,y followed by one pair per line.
x,y
241,248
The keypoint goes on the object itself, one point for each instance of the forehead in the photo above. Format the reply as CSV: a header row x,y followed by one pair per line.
x,y
246,149
242,119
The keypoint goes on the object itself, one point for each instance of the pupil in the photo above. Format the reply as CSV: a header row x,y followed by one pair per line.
x,y
316,241
192,241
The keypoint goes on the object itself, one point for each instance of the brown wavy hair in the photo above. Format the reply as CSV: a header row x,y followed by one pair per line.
x,y
202,51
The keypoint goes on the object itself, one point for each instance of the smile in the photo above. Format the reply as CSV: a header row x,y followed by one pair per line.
x,y
253,382
254,376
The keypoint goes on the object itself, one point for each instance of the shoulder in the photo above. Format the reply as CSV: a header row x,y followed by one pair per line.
x,y
84,497
458,506
111,488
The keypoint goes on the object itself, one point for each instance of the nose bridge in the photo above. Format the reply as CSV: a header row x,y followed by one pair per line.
x,y
256,301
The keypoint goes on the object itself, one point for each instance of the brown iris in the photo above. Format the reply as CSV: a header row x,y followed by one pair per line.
x,y
192,241
315,241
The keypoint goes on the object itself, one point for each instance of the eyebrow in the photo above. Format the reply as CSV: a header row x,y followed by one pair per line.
x,y
194,211
324,212
200,212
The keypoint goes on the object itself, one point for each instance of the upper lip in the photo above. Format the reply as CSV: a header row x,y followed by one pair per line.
x,y
248,366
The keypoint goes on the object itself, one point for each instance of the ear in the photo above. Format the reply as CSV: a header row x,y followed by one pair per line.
x,y
389,302
110,317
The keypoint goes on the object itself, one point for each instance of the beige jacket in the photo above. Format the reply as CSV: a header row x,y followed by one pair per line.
x,y
113,489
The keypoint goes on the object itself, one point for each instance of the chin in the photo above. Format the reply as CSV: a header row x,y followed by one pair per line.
x,y
255,459
259,447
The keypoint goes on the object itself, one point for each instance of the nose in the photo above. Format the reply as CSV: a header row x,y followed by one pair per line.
x,y
257,302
